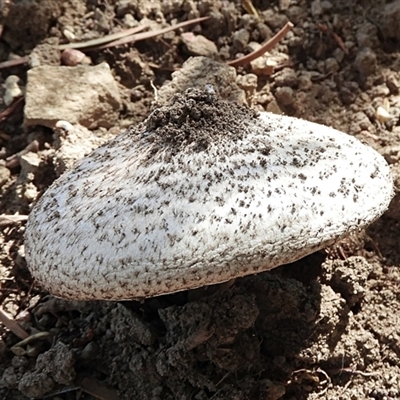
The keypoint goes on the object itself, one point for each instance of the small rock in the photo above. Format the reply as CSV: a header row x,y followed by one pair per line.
x,y
268,63
84,94
198,45
296,14
273,19
248,22
13,91
338,54
316,8
240,39
382,115
284,95
360,122
264,31
367,35
30,163
248,83
284,4
201,71
393,83
129,21
5,175
392,155
379,90
286,77
74,57
90,351
168,6
304,81
273,107
391,17
365,62
69,35
123,7
326,6
26,192
349,90
261,66
331,65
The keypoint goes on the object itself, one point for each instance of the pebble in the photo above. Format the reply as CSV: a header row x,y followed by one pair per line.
x,y
198,45
338,54
284,95
286,77
304,81
393,83
331,65
5,175
365,63
326,6
382,115
391,18
69,35
316,8
367,36
129,21
248,82
74,57
264,31
274,20
241,39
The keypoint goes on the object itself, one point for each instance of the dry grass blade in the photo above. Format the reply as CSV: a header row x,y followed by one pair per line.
x,y
264,48
249,7
13,160
6,220
11,108
12,325
147,35
14,63
102,40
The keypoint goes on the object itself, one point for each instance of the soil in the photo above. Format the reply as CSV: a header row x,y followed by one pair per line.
x,y
324,327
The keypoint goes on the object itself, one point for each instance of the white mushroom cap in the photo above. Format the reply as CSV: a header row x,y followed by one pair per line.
x,y
202,192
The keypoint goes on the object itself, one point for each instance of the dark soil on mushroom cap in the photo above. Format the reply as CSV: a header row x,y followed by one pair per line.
x,y
312,330
196,119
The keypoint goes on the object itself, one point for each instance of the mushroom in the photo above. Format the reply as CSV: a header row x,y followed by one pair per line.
x,y
202,192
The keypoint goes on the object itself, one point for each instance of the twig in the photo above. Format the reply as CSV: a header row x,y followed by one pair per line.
x,y
249,7
10,109
102,40
6,220
145,35
263,49
14,63
12,325
94,388
13,160
352,371
336,37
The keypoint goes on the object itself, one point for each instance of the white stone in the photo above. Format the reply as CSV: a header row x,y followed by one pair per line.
x,y
86,95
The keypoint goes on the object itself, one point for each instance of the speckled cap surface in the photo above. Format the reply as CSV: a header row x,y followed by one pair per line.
x,y
202,192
